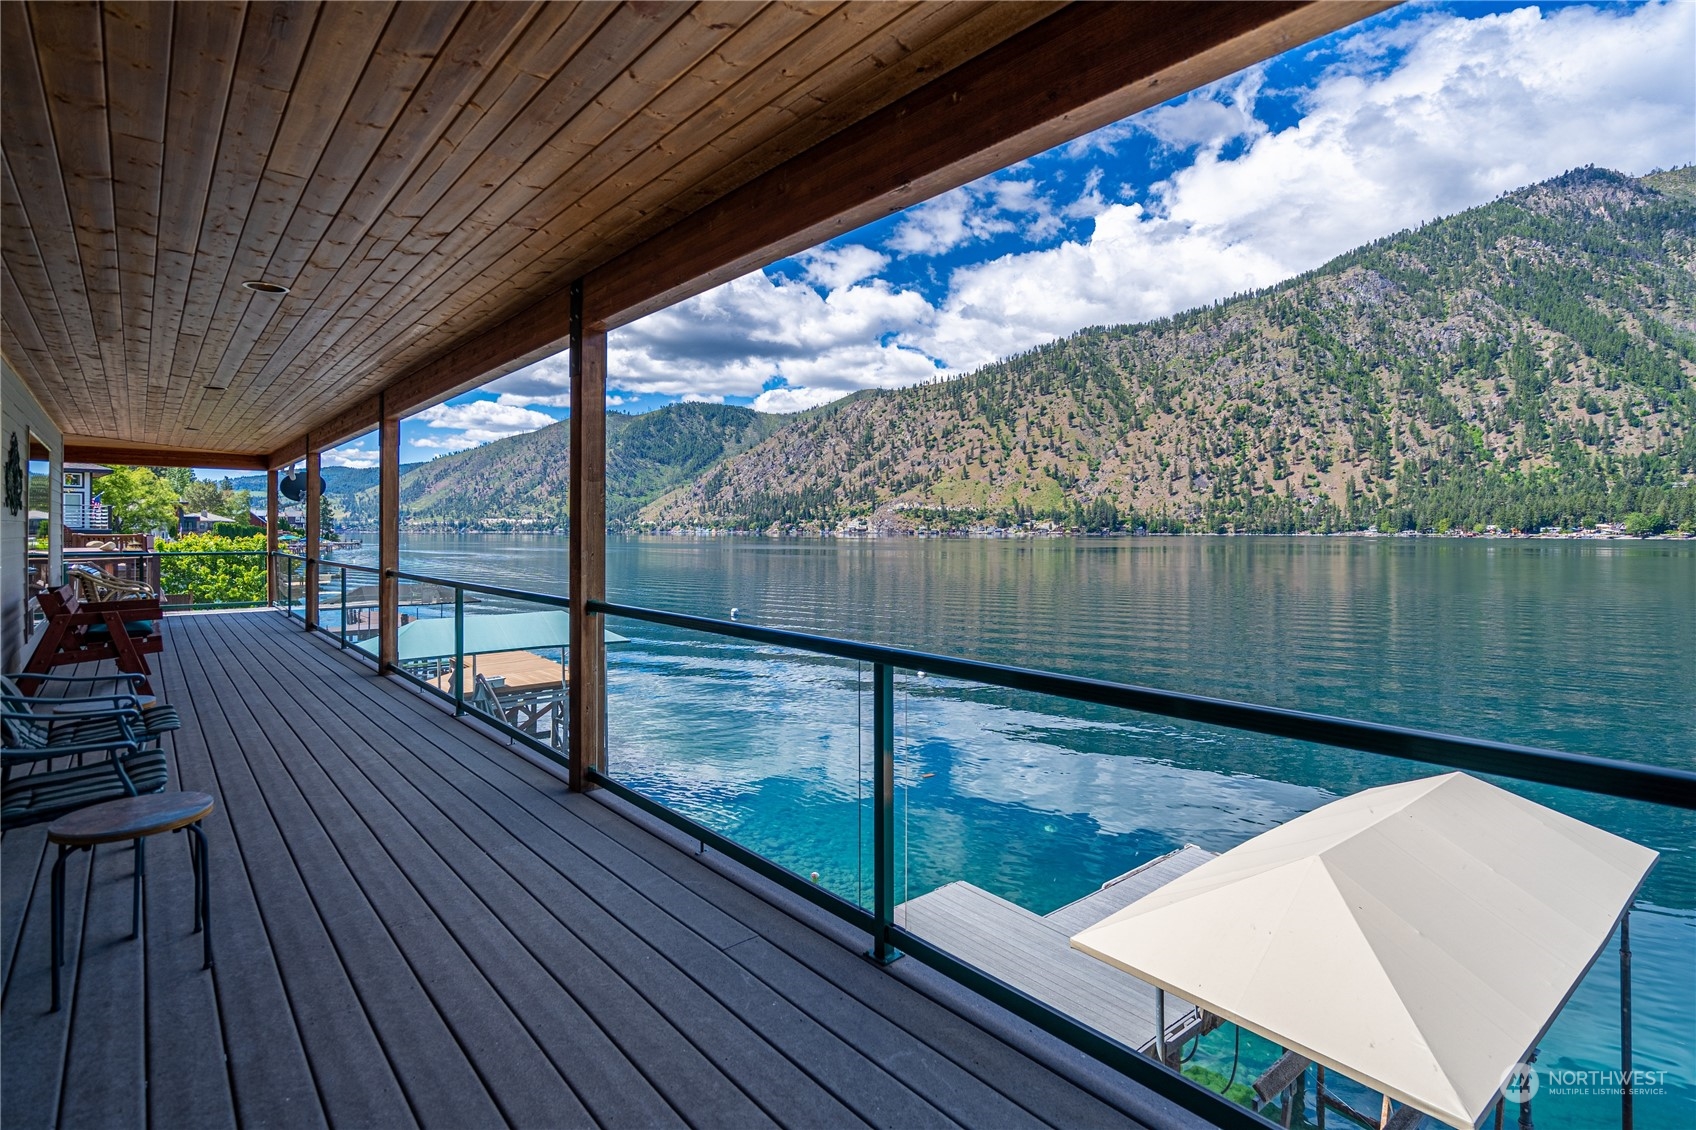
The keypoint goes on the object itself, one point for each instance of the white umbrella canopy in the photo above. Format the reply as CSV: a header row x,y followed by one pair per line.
x,y
1419,937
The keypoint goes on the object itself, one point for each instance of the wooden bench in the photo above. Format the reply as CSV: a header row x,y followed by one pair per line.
x,y
79,631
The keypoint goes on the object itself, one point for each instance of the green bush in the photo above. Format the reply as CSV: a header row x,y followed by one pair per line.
x,y
1641,525
214,580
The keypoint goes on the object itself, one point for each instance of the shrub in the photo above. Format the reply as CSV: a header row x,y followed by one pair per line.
x,y
214,580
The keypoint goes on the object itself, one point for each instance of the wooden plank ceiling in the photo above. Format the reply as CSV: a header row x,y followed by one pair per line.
x,y
416,174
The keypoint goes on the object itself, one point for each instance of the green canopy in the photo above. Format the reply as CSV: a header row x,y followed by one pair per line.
x,y
513,631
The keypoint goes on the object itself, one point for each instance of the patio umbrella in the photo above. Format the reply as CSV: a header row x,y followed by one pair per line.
x,y
1418,937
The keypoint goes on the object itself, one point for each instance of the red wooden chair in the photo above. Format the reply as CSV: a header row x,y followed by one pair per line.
x,y
79,631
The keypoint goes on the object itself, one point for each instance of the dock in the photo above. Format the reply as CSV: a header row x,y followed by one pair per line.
x,y
510,672
1032,952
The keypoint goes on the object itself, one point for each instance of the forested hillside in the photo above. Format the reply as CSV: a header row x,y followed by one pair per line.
x,y
1526,363
522,480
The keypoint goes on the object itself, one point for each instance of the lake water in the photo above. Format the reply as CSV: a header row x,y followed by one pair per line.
x,y
1581,646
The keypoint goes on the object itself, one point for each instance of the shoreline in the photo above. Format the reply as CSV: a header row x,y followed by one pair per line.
x,y
1016,533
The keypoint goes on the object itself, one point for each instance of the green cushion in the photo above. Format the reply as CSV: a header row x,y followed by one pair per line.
x,y
136,628
40,796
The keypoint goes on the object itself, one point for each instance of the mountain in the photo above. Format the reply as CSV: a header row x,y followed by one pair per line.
x,y
521,481
339,482
1529,362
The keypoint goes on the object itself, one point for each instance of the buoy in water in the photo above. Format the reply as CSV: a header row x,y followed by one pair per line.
x,y
815,876
735,612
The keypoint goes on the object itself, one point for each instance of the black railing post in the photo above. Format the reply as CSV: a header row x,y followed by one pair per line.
x,y
883,811
344,607
458,650
1625,1019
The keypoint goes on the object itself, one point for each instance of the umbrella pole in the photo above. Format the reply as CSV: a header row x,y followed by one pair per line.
x,y
1625,1018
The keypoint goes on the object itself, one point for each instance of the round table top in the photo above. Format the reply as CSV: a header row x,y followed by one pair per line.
x,y
129,818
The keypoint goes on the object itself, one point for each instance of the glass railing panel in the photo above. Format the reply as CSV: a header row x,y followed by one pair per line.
x,y
1020,819
766,746
512,665
212,579
425,635
353,604
332,590
292,585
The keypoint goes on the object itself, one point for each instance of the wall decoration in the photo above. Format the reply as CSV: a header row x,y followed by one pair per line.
x,y
14,478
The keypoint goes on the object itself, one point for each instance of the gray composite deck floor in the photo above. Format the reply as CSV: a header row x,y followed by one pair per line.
x,y
416,926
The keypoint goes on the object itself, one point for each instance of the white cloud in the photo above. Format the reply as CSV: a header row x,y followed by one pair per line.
x,y
795,399
731,341
1211,117
836,267
350,456
546,382
999,204
476,423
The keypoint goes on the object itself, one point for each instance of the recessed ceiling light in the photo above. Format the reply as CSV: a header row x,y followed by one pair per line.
x,y
258,287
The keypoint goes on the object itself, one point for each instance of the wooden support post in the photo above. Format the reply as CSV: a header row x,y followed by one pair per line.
x,y
586,721
271,535
388,541
314,497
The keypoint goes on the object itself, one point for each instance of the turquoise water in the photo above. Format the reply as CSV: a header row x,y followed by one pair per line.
x,y
1582,646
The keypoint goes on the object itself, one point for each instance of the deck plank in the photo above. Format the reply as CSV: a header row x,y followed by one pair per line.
x,y
583,891
23,869
105,1064
32,1047
188,1081
993,1064
946,1084
249,854
429,1063
417,926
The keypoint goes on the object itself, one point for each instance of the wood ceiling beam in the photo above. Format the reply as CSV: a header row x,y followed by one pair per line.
x,y
1082,68
86,449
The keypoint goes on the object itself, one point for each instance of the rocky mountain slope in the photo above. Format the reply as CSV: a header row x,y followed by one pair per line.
x,y
1525,363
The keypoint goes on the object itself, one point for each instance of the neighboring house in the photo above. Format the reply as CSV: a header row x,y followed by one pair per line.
x,y
199,523
84,512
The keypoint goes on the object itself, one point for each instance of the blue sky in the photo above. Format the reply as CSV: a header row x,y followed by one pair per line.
x,y
1420,112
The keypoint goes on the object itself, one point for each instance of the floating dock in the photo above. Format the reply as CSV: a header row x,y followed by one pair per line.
x,y
1033,953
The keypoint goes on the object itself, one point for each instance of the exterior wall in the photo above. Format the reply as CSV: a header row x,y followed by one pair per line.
x,y
22,414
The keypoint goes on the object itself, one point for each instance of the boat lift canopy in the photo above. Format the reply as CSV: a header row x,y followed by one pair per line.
x,y
1419,938
432,637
